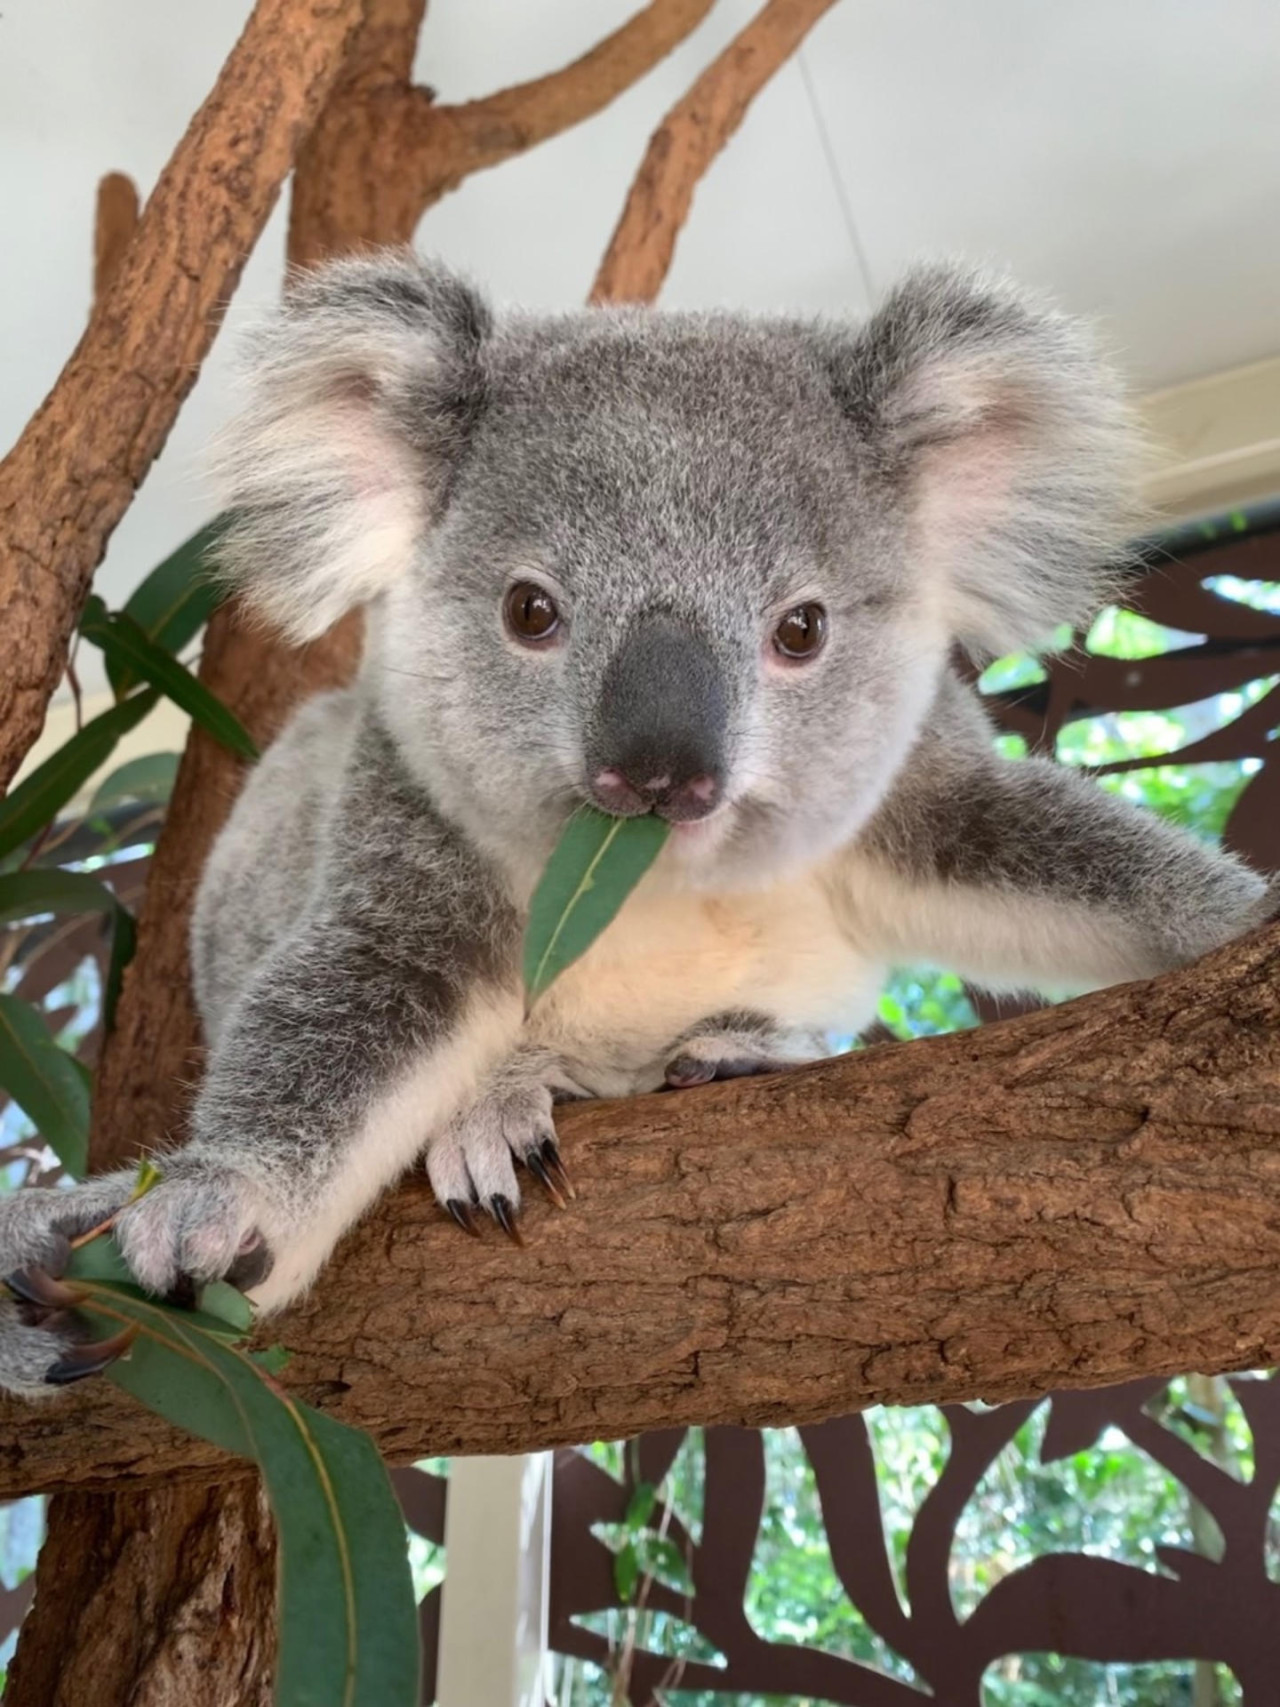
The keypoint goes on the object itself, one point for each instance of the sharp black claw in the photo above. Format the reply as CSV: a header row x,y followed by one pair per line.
x,y
554,1163
502,1212
461,1213
540,1171
34,1286
90,1359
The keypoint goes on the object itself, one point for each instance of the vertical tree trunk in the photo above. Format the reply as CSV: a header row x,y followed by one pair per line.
x,y
161,1598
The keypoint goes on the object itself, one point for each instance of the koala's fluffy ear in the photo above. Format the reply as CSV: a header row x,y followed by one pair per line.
x,y
999,427
362,390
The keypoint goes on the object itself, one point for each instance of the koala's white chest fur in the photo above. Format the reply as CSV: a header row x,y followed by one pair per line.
x,y
672,959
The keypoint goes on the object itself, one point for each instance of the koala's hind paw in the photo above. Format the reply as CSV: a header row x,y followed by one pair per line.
x,y
472,1162
731,1055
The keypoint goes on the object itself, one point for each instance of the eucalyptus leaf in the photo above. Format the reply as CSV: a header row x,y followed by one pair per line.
x,y
273,1358
124,642
99,1259
174,602
45,1082
24,894
593,868
219,1298
38,798
348,1623
148,779
148,1177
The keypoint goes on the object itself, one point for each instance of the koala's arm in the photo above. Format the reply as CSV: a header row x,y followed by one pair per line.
x,y
1024,874
352,1043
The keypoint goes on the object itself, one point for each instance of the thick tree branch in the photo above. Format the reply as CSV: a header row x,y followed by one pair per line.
x,y
152,1597
685,144
389,151
1071,1198
74,471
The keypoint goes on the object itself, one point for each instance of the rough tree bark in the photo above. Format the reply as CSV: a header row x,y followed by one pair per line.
x,y
687,141
1078,1196
390,151
164,1557
74,471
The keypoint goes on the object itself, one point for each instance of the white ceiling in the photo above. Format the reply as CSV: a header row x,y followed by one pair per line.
x,y
1124,153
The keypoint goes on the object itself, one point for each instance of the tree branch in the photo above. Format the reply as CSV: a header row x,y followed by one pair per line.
x,y
685,144
1071,1198
389,151
114,223
477,134
74,471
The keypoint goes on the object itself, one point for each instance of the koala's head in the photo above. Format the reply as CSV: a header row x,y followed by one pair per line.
x,y
699,564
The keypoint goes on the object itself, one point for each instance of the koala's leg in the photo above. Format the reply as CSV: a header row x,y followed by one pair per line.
x,y
1025,874
473,1161
736,1045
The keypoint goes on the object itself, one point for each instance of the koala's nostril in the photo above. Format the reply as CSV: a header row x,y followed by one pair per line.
x,y
614,790
693,799
703,788
615,794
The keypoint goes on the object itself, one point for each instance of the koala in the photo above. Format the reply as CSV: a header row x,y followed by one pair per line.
x,y
697,564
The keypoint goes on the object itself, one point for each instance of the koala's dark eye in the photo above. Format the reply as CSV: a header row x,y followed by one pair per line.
x,y
531,612
801,632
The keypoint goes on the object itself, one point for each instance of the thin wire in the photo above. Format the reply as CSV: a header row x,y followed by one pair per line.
x,y
842,193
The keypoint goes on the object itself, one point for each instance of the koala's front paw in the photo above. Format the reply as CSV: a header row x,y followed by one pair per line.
x,y
187,1230
41,1343
201,1223
472,1162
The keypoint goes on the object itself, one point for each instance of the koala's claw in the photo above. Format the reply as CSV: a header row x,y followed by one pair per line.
x,y
463,1215
547,1166
91,1358
36,1286
47,1305
504,1214
472,1163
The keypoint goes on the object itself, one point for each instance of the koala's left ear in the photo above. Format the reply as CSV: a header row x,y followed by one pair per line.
x,y
362,391
997,425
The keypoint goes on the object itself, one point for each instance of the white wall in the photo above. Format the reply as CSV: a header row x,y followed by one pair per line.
x,y
1125,153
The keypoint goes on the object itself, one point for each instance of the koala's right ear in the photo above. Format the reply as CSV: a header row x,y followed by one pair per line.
x,y
1007,442
363,389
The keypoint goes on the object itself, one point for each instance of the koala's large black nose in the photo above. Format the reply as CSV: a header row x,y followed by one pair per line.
x,y
657,742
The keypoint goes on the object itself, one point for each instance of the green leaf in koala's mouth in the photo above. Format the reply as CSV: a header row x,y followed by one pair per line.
x,y
593,868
